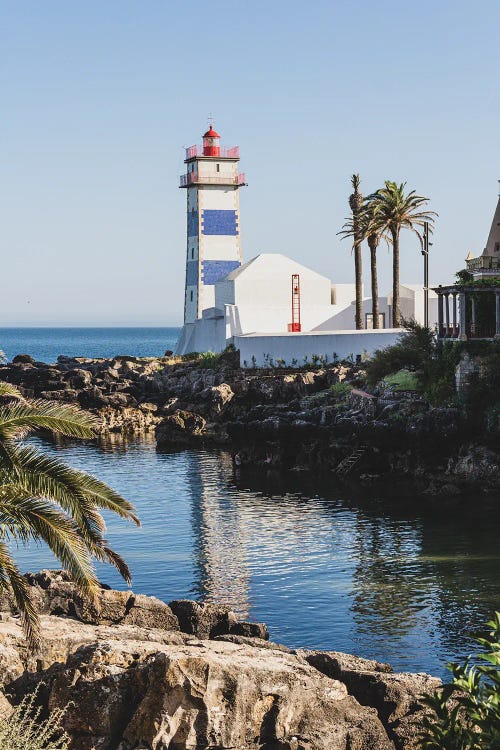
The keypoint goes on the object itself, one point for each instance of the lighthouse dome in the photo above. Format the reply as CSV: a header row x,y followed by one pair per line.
x,y
211,133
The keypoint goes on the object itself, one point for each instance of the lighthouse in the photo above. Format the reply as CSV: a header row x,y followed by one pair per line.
x,y
213,248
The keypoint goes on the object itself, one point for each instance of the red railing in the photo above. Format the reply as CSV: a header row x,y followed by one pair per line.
x,y
225,153
192,178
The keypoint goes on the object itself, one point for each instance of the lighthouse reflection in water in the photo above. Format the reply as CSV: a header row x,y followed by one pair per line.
x,y
330,570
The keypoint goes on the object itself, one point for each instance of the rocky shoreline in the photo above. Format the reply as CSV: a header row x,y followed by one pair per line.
x,y
138,673
275,419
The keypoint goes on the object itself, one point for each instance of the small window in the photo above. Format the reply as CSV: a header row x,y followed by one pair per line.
x,y
369,321
192,253
218,167
191,295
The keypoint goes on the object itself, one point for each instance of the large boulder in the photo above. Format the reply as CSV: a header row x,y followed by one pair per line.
x,y
55,594
137,694
397,697
179,428
203,620
217,396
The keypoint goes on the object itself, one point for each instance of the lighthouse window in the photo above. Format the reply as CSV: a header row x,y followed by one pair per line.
x,y
192,253
191,295
218,167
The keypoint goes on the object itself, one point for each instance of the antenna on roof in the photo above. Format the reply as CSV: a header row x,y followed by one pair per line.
x,y
210,120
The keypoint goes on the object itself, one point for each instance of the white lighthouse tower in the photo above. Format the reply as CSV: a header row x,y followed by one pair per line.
x,y
212,185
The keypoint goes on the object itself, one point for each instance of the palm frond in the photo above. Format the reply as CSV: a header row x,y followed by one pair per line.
x,y
27,517
16,586
19,419
48,477
7,390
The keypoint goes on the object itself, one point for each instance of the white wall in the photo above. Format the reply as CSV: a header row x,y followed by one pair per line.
x,y
205,335
298,345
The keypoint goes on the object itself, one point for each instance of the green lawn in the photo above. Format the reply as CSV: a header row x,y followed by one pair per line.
x,y
403,381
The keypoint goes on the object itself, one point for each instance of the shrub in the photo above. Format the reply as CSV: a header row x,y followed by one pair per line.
x,y
23,730
466,712
412,351
340,391
208,360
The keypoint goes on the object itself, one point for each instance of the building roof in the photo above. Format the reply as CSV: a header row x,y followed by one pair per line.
x,y
271,264
211,133
493,242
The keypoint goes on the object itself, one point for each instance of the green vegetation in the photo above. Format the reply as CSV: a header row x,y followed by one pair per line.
x,y
432,365
337,394
404,380
208,360
42,499
466,712
23,729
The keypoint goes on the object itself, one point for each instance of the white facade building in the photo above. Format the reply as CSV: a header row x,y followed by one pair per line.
x,y
250,305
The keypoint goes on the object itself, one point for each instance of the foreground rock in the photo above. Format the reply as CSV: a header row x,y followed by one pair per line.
x,y
138,673
131,690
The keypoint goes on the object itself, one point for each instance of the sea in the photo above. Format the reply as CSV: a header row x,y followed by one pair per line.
x,y
46,344
369,570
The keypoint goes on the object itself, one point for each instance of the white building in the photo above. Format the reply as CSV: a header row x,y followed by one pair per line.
x,y
272,306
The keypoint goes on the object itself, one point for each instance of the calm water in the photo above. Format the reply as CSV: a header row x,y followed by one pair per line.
x,y
45,344
322,570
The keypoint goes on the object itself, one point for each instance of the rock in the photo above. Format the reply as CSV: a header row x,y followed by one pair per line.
x,y
179,428
476,463
5,707
137,694
127,421
24,359
56,594
217,396
60,637
396,697
148,407
203,620
250,630
254,642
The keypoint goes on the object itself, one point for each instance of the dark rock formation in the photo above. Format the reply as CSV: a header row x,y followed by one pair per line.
x,y
179,428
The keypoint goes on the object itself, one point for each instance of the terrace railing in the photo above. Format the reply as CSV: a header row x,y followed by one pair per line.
x,y
484,263
192,178
232,152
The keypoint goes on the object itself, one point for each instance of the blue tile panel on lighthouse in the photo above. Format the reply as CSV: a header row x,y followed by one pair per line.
x,y
219,222
215,270
192,223
192,273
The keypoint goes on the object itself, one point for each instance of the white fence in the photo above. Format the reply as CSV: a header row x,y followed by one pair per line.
x,y
291,349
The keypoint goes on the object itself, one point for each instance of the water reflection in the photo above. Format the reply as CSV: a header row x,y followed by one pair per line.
x,y
220,536
325,568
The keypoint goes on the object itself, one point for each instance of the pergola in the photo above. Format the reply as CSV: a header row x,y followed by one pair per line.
x,y
457,312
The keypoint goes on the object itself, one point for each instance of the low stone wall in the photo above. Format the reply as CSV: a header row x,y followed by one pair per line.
x,y
261,350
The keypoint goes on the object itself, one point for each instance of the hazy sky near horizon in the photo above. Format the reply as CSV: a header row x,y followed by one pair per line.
x,y
98,99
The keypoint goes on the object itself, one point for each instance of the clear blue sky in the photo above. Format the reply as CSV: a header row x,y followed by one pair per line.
x,y
98,99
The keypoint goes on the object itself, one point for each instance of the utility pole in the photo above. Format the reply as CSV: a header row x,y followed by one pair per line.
x,y
425,253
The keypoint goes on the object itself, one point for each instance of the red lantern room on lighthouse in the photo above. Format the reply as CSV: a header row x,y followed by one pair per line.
x,y
211,143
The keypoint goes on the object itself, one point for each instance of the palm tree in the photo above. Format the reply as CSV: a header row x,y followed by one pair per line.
x,y
374,231
42,499
352,228
367,226
396,210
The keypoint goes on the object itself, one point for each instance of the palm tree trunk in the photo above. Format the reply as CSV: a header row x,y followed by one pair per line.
x,y
396,314
373,243
358,271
